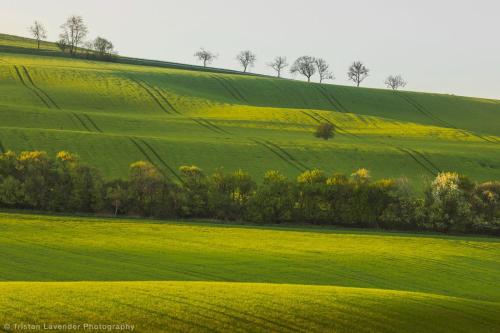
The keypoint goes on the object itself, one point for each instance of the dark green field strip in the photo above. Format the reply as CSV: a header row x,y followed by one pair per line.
x,y
162,161
337,100
39,89
2,148
150,93
230,88
424,111
332,99
230,84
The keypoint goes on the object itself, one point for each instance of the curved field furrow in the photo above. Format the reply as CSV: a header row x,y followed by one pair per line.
x,y
20,77
288,155
240,307
92,122
280,155
39,89
146,155
81,122
414,158
170,169
148,91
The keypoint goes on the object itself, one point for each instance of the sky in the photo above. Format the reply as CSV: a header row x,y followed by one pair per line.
x,y
442,46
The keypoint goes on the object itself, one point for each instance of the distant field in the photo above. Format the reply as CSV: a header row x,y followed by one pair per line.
x,y
185,276
112,114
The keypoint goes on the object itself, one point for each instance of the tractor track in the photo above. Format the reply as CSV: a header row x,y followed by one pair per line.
x,y
428,161
80,120
235,93
279,155
162,96
92,122
136,144
150,93
155,153
332,99
443,123
287,154
38,88
414,158
19,75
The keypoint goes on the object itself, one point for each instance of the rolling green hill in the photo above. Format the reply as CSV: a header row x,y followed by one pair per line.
x,y
193,277
112,114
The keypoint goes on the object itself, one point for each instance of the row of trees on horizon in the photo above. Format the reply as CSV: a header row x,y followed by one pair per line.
x,y
72,39
74,31
451,202
306,66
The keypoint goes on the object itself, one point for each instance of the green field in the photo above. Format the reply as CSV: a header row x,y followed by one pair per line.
x,y
180,276
112,114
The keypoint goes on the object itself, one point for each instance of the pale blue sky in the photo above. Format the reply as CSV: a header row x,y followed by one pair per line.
x,y
437,45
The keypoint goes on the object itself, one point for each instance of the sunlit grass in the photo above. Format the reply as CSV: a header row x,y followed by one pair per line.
x,y
181,276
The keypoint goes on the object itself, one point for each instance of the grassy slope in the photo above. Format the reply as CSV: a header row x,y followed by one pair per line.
x,y
113,114
200,277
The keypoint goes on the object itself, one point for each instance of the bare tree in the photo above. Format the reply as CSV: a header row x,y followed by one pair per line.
x,y
395,82
305,66
61,44
278,64
246,59
323,70
38,32
206,56
358,72
103,47
74,32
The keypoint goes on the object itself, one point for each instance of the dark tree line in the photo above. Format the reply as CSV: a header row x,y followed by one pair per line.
x,y
452,203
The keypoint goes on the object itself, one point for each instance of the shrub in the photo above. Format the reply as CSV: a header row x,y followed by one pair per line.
x,y
447,203
325,131
274,200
